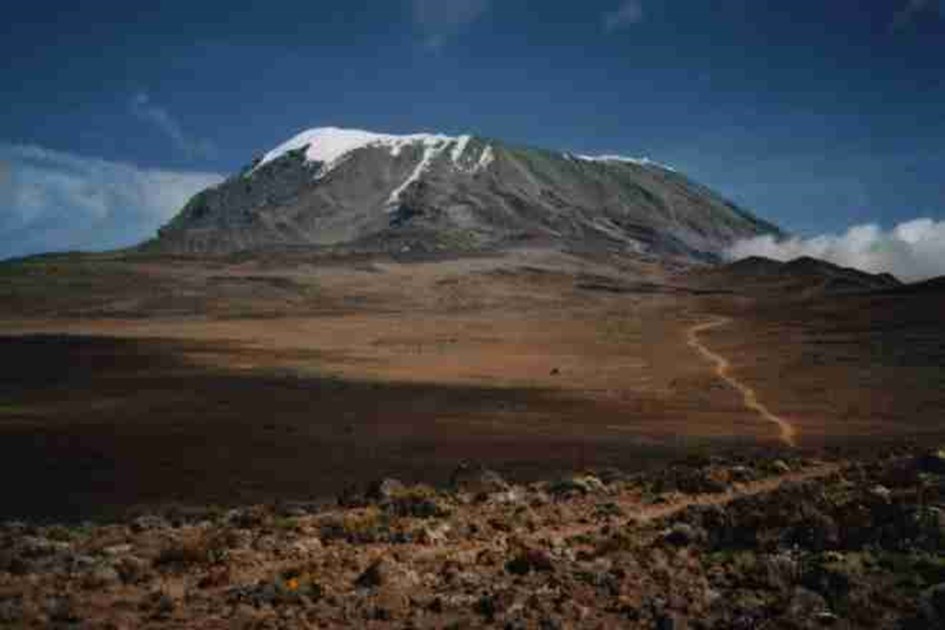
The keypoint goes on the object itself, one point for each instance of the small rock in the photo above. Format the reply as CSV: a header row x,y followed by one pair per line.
x,y
514,494
385,489
246,518
305,547
266,543
592,483
668,621
932,462
215,576
101,577
433,535
475,479
880,493
571,487
805,604
37,547
117,550
530,560
292,510
375,575
781,571
82,564
780,467
61,609
826,618
682,534
611,475
163,606
133,570
149,522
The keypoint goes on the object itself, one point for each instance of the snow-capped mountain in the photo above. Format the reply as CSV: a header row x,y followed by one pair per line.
x,y
360,190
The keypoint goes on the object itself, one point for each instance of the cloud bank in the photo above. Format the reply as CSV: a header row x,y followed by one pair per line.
x,y
56,201
914,250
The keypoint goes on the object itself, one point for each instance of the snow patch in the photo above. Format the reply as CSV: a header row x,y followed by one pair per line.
x,y
644,161
430,151
459,148
485,159
329,145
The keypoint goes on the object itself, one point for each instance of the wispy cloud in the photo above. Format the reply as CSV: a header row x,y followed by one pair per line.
x,y
629,12
51,200
913,10
913,250
438,20
144,108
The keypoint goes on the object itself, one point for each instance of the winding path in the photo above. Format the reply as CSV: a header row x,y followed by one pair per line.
x,y
788,433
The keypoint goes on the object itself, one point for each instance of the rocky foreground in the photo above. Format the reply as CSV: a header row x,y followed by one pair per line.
x,y
706,543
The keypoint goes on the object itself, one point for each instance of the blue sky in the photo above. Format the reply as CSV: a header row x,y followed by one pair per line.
x,y
817,115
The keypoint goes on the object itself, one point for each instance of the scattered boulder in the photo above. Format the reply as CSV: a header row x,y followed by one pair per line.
x,y
100,577
434,534
683,534
385,489
133,570
377,574
932,462
880,493
578,485
806,604
477,480
612,475
149,522
528,560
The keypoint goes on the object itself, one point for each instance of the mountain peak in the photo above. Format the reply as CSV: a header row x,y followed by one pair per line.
x,y
358,189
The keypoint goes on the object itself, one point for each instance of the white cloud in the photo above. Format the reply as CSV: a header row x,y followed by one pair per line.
x,y
913,250
54,201
629,12
144,108
437,20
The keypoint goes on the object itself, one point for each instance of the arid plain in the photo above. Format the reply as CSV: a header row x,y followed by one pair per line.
x,y
132,380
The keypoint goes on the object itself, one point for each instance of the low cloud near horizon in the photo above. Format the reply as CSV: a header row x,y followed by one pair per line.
x,y
56,201
911,251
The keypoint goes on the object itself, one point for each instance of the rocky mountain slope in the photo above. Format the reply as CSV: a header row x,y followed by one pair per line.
x,y
331,187
747,542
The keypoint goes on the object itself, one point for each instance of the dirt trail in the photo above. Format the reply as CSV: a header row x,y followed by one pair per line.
x,y
639,513
788,433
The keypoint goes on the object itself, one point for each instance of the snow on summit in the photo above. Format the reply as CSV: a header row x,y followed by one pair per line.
x,y
330,144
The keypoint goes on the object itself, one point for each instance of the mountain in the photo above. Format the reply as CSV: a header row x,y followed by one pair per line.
x,y
365,191
799,276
